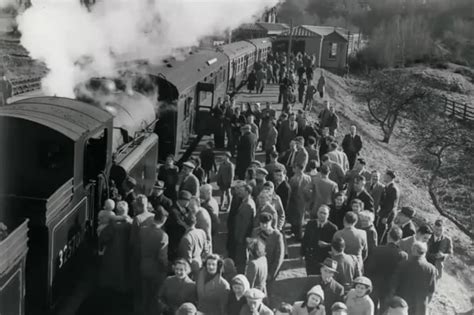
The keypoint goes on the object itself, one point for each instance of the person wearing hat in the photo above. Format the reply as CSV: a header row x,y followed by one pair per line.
x,y
153,261
224,178
339,308
352,144
381,264
260,179
245,151
333,291
243,223
189,181
312,305
175,226
388,204
158,198
323,189
404,221
277,204
264,205
358,301
254,304
358,171
287,132
415,280
188,309
169,174
440,246
177,289
239,285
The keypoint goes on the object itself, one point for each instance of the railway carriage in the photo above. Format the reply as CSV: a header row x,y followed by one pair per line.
x,y
241,58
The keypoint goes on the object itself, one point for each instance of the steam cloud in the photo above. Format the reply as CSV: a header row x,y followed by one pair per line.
x,y
77,44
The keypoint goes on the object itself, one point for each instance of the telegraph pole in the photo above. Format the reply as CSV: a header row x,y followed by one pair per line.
x,y
289,45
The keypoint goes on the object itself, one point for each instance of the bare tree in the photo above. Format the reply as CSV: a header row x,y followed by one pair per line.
x,y
392,95
447,146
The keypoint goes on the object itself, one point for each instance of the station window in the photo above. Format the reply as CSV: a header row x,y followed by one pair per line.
x,y
332,50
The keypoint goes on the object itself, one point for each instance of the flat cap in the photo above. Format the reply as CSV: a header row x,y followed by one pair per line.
x,y
189,164
254,294
330,264
262,170
159,184
338,306
239,183
409,212
256,163
184,195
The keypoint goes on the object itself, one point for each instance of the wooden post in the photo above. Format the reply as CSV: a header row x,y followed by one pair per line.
x,y
454,106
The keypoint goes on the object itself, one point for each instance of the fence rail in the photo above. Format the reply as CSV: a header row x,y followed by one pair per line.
x,y
461,111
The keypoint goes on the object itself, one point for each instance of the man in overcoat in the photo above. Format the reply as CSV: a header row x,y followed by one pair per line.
x,y
381,264
375,188
440,247
355,239
300,185
415,281
316,243
245,151
244,221
359,192
352,144
404,221
153,261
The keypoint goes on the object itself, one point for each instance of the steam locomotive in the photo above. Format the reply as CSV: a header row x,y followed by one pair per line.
x,y
60,156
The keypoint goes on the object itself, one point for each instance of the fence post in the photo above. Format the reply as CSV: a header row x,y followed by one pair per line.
x,y
454,106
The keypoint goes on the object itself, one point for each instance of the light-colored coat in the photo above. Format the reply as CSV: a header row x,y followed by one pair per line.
x,y
299,309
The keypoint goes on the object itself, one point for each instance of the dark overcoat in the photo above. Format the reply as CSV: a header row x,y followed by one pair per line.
x,y
245,153
415,282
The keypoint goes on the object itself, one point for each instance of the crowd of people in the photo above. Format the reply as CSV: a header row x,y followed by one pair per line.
x,y
361,250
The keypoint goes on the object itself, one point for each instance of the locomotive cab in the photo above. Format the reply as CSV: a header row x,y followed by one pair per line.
x,y
54,149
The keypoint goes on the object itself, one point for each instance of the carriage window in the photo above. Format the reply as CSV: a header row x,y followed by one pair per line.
x,y
332,50
95,156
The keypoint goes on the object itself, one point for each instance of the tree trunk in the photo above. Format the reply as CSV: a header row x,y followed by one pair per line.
x,y
390,127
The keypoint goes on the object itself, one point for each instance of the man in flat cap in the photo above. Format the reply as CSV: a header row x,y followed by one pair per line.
x,y
189,182
260,179
157,197
404,221
245,151
254,303
333,291
175,226
388,205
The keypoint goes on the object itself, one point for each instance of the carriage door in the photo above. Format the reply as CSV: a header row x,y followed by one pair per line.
x,y
204,102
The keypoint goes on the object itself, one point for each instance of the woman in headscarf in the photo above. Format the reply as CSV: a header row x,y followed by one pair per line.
x,y
313,305
212,288
264,204
177,289
239,285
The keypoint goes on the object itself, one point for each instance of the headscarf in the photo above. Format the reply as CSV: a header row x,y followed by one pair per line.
x,y
242,280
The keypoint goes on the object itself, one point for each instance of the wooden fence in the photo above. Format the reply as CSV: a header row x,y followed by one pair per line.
x,y
461,111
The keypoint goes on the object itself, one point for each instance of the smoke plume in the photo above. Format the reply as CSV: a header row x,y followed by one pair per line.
x,y
78,43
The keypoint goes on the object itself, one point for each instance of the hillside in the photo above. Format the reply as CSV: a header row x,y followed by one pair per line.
x,y
456,287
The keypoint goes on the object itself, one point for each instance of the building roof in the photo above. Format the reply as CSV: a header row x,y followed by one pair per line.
x,y
270,28
273,27
313,30
70,117
186,73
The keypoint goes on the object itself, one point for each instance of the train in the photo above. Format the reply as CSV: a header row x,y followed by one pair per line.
x,y
61,155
